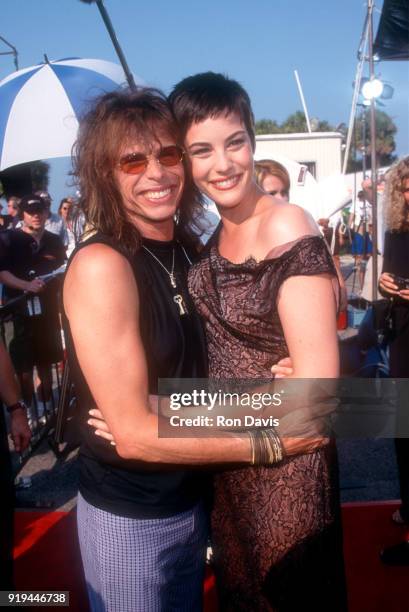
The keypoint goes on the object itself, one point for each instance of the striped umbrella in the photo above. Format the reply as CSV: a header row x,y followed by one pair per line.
x,y
40,106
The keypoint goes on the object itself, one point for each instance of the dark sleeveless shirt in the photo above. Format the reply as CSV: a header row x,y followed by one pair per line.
x,y
174,347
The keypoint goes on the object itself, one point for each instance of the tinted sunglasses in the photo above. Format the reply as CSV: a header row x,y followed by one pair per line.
x,y
136,163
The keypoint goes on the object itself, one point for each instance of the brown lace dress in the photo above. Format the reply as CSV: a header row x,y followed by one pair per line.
x,y
276,531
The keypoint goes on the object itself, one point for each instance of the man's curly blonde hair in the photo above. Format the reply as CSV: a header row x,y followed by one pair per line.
x,y
396,211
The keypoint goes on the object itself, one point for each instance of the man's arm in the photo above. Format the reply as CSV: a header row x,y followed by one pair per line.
x,y
102,304
10,280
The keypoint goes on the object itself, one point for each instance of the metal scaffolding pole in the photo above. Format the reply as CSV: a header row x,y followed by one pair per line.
x,y
373,159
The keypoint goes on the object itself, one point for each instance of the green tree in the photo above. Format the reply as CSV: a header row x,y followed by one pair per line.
x,y
267,126
25,178
385,137
295,123
39,175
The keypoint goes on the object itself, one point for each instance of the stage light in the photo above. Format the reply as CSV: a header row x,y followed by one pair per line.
x,y
372,89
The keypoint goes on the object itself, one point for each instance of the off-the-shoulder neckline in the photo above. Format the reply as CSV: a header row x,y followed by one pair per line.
x,y
273,255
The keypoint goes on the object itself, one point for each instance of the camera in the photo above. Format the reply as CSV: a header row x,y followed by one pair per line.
x,y
402,283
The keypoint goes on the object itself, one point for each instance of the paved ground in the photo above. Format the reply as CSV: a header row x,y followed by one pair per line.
x,y
367,472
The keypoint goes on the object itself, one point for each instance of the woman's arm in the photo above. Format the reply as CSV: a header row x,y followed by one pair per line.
x,y
306,305
307,311
102,304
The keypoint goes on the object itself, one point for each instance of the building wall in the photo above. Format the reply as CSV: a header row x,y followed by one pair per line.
x,y
324,149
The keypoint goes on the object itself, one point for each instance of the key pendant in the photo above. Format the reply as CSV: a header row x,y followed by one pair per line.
x,y
179,301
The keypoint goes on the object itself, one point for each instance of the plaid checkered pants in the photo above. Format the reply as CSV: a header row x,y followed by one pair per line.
x,y
139,565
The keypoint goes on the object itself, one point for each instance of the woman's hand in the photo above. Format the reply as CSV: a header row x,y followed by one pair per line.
x,y
99,424
387,285
283,368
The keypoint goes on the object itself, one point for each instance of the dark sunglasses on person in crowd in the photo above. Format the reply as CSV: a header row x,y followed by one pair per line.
x,y
283,193
136,163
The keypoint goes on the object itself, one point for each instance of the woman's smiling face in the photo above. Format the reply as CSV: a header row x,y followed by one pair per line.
x,y
221,159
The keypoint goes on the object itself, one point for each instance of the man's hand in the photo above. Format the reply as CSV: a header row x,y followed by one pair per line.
x,y
20,430
35,286
302,446
404,294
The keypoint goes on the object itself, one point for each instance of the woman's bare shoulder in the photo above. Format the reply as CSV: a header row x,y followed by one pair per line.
x,y
284,223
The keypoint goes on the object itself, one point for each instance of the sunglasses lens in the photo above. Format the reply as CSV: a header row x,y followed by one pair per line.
x,y
133,164
170,156
137,163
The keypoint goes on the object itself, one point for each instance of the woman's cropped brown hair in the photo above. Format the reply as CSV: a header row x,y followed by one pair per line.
x,y
396,211
211,94
117,119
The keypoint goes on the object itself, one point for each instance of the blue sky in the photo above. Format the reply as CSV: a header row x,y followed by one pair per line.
x,y
258,42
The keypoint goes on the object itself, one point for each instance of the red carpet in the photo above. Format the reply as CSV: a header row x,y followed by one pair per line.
x,y
47,557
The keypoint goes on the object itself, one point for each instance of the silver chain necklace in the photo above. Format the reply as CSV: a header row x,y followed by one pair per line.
x,y
171,274
178,298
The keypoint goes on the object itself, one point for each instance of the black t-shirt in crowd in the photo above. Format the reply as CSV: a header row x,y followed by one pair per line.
x,y
26,258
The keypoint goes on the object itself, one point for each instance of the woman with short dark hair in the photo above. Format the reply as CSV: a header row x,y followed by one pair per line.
x,y
265,288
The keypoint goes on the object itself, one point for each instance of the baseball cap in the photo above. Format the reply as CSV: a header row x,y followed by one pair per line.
x,y
32,203
44,195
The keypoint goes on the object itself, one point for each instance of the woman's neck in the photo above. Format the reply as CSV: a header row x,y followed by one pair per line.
x,y
235,219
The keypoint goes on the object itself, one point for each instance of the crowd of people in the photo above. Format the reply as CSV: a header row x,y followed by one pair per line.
x,y
34,243
143,299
